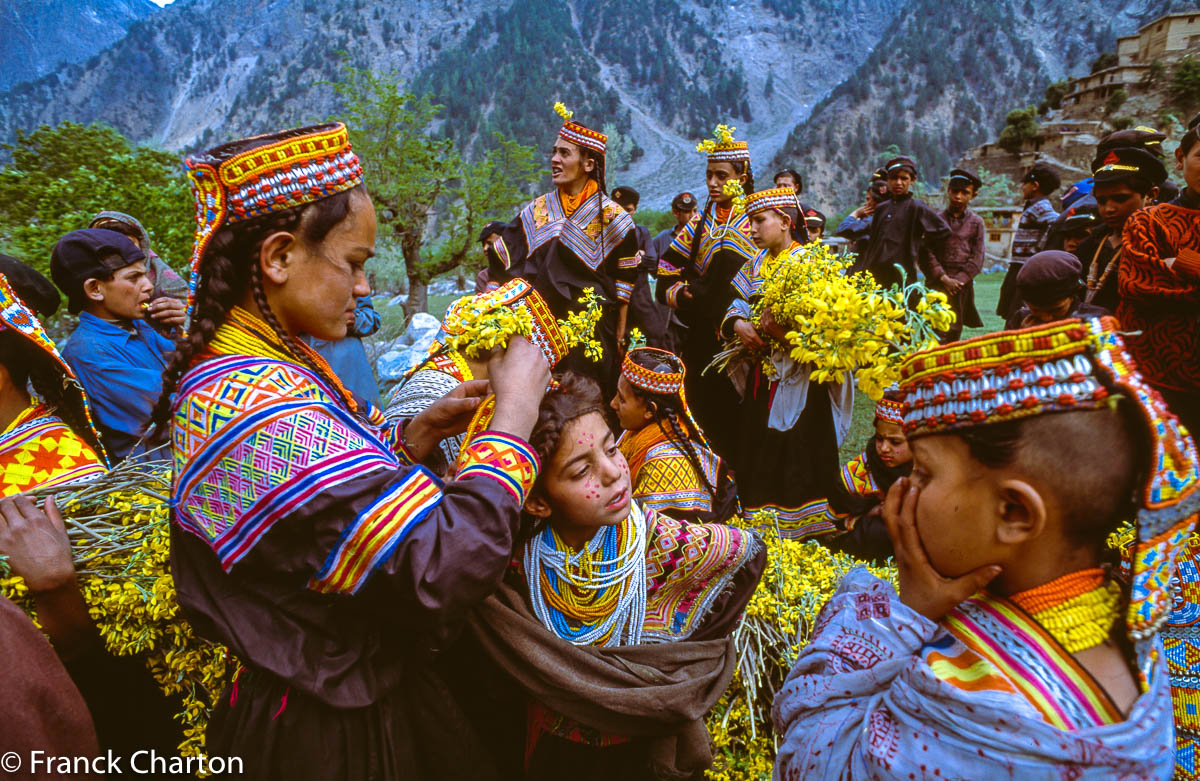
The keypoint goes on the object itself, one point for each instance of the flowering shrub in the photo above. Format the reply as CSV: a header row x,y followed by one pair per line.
x,y
119,528
799,579
477,328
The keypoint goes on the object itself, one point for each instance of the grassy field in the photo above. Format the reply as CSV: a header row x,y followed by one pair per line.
x,y
987,293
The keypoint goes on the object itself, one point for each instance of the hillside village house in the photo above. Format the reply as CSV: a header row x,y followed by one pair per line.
x,y
1166,39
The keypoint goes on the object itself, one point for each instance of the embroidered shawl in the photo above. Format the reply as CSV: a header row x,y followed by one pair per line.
x,y
544,219
882,692
662,475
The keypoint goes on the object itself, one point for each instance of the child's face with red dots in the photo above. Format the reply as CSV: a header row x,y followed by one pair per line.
x,y
891,444
586,485
632,411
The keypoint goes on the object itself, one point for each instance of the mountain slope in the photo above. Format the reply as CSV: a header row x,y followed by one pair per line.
x,y
943,78
41,34
661,72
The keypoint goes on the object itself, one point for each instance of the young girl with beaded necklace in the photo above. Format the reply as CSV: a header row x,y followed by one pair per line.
x,y
671,467
599,571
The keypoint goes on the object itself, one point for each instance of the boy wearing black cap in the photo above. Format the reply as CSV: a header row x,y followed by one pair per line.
x,y
683,207
1126,179
815,222
962,260
904,231
647,315
1049,286
1036,186
1159,288
118,358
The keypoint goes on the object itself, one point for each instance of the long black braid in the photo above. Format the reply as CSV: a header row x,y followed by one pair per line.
x,y
28,365
231,270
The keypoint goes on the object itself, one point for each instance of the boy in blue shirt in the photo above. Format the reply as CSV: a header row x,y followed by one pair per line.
x,y
118,357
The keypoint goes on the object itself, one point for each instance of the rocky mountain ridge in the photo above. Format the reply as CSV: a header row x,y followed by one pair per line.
x,y
40,35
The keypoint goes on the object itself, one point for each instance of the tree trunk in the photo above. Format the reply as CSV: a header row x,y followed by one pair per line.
x,y
418,297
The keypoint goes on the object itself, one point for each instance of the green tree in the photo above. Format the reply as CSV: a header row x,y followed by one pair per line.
x,y
60,177
1185,84
996,190
429,200
1154,74
1105,60
1055,92
1115,101
1020,125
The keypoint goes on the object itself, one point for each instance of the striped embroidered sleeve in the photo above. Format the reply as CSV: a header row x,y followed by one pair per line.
x,y
1143,276
505,459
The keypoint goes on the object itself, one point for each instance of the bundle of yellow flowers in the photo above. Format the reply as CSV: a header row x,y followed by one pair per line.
x,y
841,324
799,579
476,327
119,529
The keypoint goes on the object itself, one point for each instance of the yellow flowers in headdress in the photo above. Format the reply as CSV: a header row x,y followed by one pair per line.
x,y
563,111
723,135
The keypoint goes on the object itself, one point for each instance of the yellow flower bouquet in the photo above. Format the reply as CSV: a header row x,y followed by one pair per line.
x,y
841,324
119,528
476,326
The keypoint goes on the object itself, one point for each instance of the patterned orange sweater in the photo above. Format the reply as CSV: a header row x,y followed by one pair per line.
x,y
1161,301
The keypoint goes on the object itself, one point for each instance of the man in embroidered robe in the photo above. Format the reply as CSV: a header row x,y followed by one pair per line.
x,y
572,238
1054,669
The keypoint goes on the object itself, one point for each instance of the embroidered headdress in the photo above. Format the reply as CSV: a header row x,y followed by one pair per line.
x,y
16,316
889,408
578,134
775,198
665,381
722,146
263,174
1061,367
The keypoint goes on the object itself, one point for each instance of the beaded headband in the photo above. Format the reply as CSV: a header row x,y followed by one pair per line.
x,y
722,147
577,133
890,410
775,198
650,380
16,316
264,174
1062,367
667,383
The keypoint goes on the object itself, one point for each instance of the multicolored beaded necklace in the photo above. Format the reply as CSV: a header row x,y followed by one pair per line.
x,y
1078,610
598,595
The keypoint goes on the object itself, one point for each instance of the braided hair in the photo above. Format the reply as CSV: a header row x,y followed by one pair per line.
x,y
668,413
29,365
231,270
599,174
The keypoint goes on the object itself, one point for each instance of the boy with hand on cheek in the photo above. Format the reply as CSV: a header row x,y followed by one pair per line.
x,y
1012,650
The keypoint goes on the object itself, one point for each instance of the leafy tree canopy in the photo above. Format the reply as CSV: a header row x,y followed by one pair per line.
x,y
59,178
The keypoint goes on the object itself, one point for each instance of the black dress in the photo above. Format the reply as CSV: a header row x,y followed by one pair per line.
x,y
562,255
706,271
788,472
